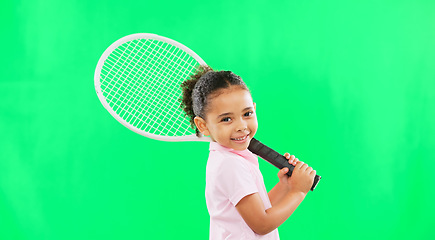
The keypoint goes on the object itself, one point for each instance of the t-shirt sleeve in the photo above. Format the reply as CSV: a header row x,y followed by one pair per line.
x,y
236,180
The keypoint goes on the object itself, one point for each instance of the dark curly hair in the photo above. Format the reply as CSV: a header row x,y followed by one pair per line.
x,y
199,87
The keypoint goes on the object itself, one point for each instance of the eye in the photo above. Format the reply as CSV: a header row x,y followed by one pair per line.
x,y
226,119
248,114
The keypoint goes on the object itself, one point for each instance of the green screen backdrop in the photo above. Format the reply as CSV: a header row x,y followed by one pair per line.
x,y
346,86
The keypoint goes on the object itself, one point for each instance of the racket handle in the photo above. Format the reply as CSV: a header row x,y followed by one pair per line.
x,y
275,158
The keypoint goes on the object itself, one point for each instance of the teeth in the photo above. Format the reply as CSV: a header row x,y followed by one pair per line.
x,y
240,139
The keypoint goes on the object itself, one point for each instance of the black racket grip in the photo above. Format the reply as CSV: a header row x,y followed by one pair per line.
x,y
275,158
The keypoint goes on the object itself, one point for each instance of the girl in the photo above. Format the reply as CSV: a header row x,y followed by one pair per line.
x,y
220,105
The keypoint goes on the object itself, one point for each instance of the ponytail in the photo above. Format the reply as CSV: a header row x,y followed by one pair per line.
x,y
187,88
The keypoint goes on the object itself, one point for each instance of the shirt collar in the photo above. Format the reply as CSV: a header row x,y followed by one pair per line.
x,y
246,154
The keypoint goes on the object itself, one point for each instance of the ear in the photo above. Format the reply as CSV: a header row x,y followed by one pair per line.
x,y
201,125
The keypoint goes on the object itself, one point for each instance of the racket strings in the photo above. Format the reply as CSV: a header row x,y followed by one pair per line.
x,y
124,93
119,85
181,62
123,86
136,94
144,91
158,107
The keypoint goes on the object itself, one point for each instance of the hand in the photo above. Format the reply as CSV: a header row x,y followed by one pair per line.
x,y
282,174
291,159
302,178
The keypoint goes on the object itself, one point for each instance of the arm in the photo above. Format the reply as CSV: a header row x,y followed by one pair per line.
x,y
263,221
281,188
277,193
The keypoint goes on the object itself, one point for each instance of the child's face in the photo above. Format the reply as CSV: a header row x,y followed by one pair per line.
x,y
231,120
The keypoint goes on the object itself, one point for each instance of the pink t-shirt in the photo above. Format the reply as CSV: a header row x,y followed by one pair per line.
x,y
230,176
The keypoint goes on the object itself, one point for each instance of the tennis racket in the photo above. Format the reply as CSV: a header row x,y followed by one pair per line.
x,y
138,80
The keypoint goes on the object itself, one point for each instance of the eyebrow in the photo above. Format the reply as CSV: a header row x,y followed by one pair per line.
x,y
229,113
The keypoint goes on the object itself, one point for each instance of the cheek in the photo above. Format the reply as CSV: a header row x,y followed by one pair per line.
x,y
254,122
254,126
224,130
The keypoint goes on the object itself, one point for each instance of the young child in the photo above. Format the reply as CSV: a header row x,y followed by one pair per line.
x,y
220,105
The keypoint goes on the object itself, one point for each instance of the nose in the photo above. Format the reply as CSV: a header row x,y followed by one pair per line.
x,y
242,125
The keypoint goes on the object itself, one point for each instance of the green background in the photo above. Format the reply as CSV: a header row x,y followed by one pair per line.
x,y
346,86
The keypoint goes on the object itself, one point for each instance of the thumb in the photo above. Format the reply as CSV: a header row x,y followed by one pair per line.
x,y
282,173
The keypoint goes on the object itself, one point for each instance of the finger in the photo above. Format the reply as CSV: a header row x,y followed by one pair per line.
x,y
304,166
282,172
299,165
294,160
287,155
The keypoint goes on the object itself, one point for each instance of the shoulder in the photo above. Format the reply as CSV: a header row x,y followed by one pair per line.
x,y
228,167
229,175
226,160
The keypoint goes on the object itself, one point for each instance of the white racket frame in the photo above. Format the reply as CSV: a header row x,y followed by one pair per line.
x,y
106,105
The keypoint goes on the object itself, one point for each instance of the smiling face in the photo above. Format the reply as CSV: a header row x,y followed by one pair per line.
x,y
230,119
